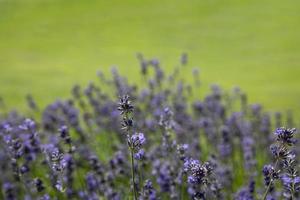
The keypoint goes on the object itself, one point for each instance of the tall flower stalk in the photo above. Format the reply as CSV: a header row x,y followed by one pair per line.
x,y
134,140
281,152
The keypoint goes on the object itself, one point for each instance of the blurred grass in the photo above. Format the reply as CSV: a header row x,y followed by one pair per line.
x,y
46,46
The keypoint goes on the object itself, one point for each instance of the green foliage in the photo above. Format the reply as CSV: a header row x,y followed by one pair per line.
x,y
48,45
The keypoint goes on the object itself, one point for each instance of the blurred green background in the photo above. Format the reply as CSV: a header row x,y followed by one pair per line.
x,y
48,45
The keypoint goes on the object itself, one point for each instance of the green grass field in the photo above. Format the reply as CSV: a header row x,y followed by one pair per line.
x,y
46,46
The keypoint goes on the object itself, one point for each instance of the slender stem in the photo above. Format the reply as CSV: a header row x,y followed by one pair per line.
x,y
126,116
182,190
132,162
267,190
292,192
133,174
81,182
271,181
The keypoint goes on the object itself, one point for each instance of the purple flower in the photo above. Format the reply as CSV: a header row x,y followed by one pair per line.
x,y
291,185
140,154
198,173
91,182
137,140
28,124
39,185
7,127
9,191
279,151
59,186
125,105
182,150
149,193
64,134
270,174
285,135
246,193
45,197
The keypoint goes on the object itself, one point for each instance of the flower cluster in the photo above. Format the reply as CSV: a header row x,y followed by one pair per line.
x,y
137,140
197,172
286,136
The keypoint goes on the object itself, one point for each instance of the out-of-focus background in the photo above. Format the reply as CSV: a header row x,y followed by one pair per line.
x,y
48,45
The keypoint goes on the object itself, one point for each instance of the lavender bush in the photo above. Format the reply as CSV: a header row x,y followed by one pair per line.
x,y
156,140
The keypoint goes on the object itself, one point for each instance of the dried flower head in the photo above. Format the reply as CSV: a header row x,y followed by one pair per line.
x,y
286,135
125,105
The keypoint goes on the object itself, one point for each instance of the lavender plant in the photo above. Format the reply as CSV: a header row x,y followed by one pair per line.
x,y
284,162
92,145
134,140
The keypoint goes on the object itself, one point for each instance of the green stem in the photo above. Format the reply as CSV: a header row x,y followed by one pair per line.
x,y
293,186
182,191
267,190
132,163
133,174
